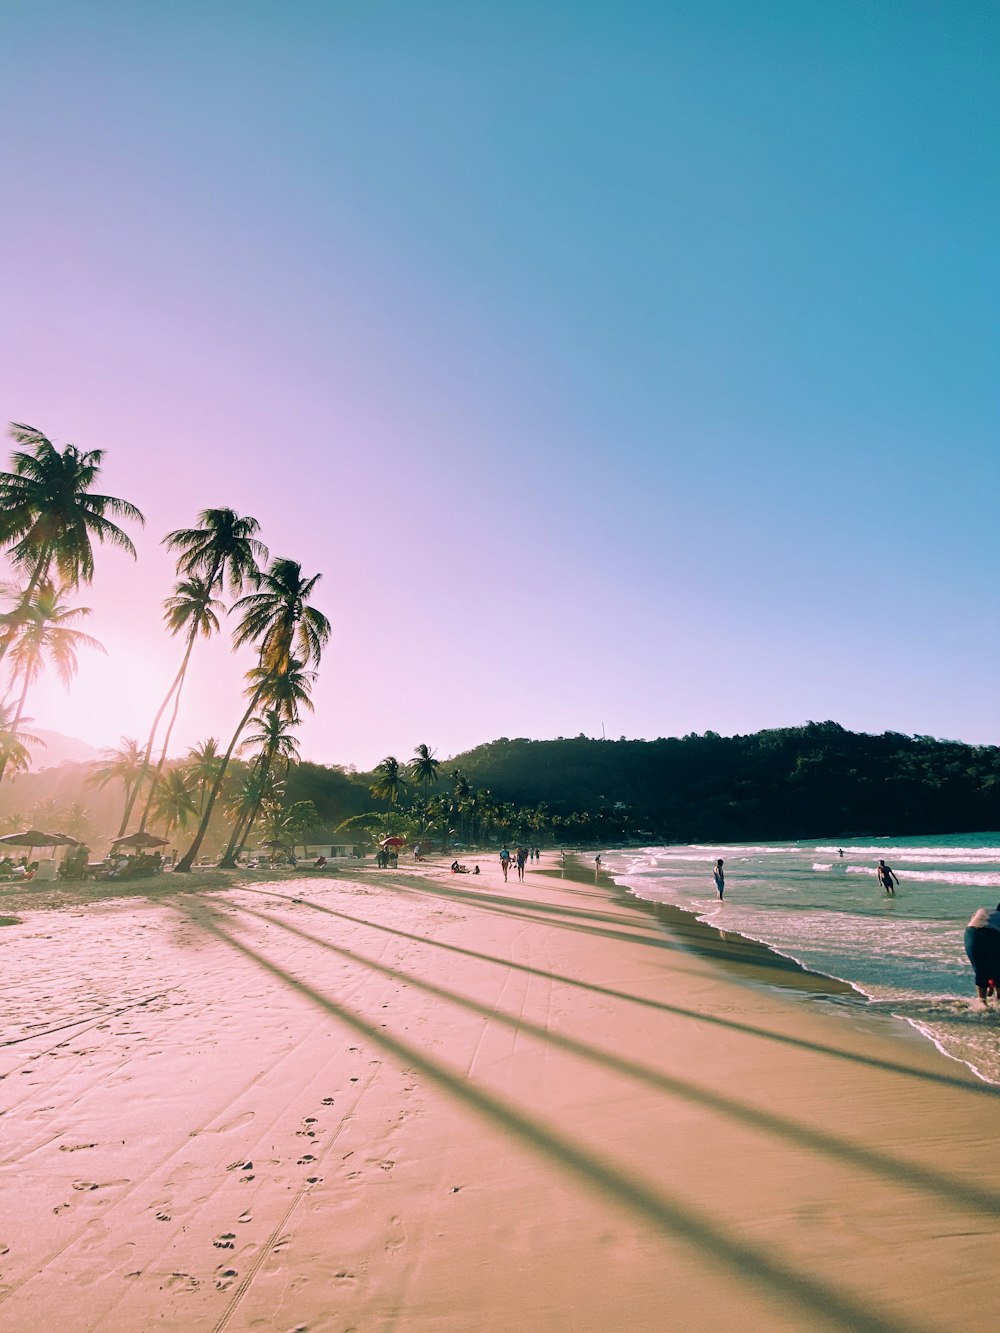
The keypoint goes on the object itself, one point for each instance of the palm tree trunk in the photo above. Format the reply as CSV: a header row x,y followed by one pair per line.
x,y
242,830
187,860
175,689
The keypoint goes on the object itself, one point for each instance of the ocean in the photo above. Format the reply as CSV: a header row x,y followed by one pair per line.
x,y
904,954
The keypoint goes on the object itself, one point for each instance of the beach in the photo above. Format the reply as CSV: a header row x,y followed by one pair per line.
x,y
411,1100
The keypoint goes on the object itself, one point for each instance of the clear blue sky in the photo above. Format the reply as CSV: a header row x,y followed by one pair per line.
x,y
624,365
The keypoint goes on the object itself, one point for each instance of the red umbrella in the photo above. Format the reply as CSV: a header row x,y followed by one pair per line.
x,y
393,842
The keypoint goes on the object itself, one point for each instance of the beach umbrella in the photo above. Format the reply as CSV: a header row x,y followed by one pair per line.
x,y
393,842
140,841
34,837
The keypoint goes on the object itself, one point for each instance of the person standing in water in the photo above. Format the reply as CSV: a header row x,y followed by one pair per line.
x,y
719,875
982,944
888,878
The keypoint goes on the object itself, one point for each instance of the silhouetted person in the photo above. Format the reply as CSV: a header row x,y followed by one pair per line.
x,y
888,878
719,875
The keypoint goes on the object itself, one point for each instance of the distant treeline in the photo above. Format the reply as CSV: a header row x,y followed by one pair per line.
x,y
816,780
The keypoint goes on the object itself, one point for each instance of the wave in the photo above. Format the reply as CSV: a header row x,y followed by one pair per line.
x,y
969,854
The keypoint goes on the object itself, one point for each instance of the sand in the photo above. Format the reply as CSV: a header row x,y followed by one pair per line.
x,y
408,1100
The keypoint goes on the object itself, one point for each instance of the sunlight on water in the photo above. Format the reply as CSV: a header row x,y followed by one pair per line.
x,y
829,914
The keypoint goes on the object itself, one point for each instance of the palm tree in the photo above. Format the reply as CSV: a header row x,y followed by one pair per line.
x,y
389,780
123,765
423,766
224,550
278,619
44,629
14,741
288,691
193,610
174,801
49,516
276,741
203,767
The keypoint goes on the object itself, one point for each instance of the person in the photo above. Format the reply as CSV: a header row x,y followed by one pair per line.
x,y
719,875
982,944
597,861
320,862
504,862
520,856
475,869
840,852
886,875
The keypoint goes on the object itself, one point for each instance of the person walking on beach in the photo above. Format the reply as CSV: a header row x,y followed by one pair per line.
x,y
719,875
520,856
504,862
982,944
886,875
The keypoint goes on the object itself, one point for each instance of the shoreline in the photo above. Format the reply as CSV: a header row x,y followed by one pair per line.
x,y
413,1102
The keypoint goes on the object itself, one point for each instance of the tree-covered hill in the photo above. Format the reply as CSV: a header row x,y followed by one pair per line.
x,y
790,782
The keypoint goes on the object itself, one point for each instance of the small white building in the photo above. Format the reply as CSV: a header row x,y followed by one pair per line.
x,y
310,851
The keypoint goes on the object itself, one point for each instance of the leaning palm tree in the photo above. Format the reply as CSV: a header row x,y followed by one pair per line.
x,y
288,691
275,742
389,780
225,550
423,766
278,619
50,517
194,611
123,765
45,630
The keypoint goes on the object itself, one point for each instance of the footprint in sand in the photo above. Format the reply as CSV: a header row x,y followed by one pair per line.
x,y
85,1185
225,1277
307,1158
245,1217
313,1180
4,1249
327,1101
181,1282
387,1165
60,1208
163,1217
225,1241
75,1147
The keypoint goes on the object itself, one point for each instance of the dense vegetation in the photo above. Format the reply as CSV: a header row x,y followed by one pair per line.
x,y
817,780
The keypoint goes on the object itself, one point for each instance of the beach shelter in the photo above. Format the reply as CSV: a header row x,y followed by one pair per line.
x,y
393,842
34,837
139,841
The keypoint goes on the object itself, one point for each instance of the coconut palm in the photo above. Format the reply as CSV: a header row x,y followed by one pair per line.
x,y
389,780
14,741
286,690
278,619
174,800
124,765
44,630
191,610
275,742
423,767
50,517
225,550
203,767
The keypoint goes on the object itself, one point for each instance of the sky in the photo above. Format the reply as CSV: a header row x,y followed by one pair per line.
x,y
624,369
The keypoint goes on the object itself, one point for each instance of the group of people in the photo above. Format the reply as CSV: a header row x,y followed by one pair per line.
x,y
458,869
522,855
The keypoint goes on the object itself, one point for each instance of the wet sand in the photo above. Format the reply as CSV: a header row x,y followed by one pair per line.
x,y
408,1100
